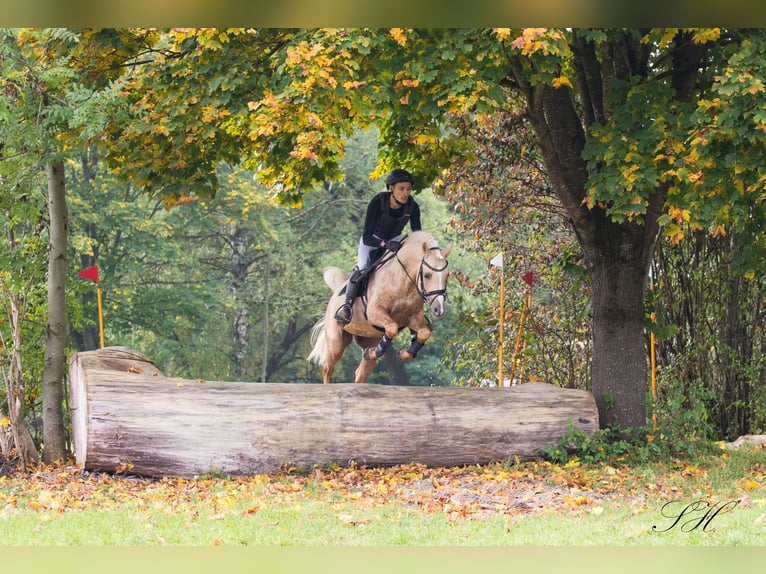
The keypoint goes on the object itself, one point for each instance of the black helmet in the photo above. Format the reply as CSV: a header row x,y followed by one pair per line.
x,y
397,176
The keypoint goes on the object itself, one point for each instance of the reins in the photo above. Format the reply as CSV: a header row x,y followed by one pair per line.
x,y
420,286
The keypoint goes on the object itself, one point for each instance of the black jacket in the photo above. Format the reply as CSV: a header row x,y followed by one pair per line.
x,y
383,223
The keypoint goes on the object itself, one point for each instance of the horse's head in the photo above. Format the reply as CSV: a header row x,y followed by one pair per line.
x,y
431,270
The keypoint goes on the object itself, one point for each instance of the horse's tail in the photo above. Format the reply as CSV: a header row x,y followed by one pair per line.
x,y
334,277
319,353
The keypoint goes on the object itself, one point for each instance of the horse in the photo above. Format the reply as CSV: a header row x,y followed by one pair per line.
x,y
397,290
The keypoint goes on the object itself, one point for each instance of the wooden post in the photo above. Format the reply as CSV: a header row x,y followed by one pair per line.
x,y
502,324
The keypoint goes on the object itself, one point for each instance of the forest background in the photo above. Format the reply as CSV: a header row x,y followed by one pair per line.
x,y
218,276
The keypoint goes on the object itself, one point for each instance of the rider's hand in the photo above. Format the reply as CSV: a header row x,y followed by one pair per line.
x,y
393,245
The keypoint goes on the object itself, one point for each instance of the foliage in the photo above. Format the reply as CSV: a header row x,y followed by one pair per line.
x,y
22,269
611,111
710,348
726,159
504,203
57,83
614,446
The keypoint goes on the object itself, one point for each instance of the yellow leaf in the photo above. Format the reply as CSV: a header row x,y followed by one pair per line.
x,y
679,215
707,35
749,484
562,81
399,35
47,500
575,501
424,139
5,422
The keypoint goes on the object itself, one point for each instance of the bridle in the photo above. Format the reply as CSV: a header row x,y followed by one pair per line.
x,y
420,285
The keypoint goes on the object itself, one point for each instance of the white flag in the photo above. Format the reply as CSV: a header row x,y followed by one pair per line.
x,y
497,260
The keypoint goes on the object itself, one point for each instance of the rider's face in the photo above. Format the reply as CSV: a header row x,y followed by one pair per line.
x,y
401,191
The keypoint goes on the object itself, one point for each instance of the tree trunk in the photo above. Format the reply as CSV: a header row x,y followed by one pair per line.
x,y
54,444
397,374
619,367
127,416
88,336
241,320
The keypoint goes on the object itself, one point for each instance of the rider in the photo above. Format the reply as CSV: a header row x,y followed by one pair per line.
x,y
387,215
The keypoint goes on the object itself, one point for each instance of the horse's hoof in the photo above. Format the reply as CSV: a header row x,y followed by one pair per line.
x,y
404,356
369,354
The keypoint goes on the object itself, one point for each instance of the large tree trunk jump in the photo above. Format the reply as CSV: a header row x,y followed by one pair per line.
x,y
126,415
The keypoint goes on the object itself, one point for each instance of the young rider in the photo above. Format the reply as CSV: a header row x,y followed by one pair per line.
x,y
387,215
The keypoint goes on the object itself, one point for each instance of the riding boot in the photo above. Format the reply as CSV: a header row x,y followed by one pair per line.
x,y
345,312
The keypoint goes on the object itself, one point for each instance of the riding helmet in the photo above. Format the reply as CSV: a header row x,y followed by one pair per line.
x,y
397,176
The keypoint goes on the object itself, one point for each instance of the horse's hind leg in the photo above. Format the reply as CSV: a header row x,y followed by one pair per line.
x,y
366,366
336,346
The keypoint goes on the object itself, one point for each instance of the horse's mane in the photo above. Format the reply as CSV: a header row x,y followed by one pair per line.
x,y
417,238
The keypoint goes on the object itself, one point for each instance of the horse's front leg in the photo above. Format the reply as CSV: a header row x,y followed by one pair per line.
x,y
374,353
422,332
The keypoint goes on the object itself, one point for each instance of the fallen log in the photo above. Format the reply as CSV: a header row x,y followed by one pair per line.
x,y
752,441
128,416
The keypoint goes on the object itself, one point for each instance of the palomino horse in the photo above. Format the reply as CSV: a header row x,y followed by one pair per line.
x,y
396,292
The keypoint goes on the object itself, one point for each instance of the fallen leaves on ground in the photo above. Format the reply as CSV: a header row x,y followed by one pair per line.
x,y
461,492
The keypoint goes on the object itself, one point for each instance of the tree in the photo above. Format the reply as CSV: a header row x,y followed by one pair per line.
x,y
58,82
53,375
28,85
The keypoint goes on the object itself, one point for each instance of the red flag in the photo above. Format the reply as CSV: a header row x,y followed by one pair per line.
x,y
529,278
90,273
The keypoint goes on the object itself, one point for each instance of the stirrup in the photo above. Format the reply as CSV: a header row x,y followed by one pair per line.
x,y
343,314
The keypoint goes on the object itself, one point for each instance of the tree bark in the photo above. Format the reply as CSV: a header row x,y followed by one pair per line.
x,y
127,416
54,444
618,276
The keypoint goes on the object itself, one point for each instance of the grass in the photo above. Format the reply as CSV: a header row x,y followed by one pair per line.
x,y
316,523
529,504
